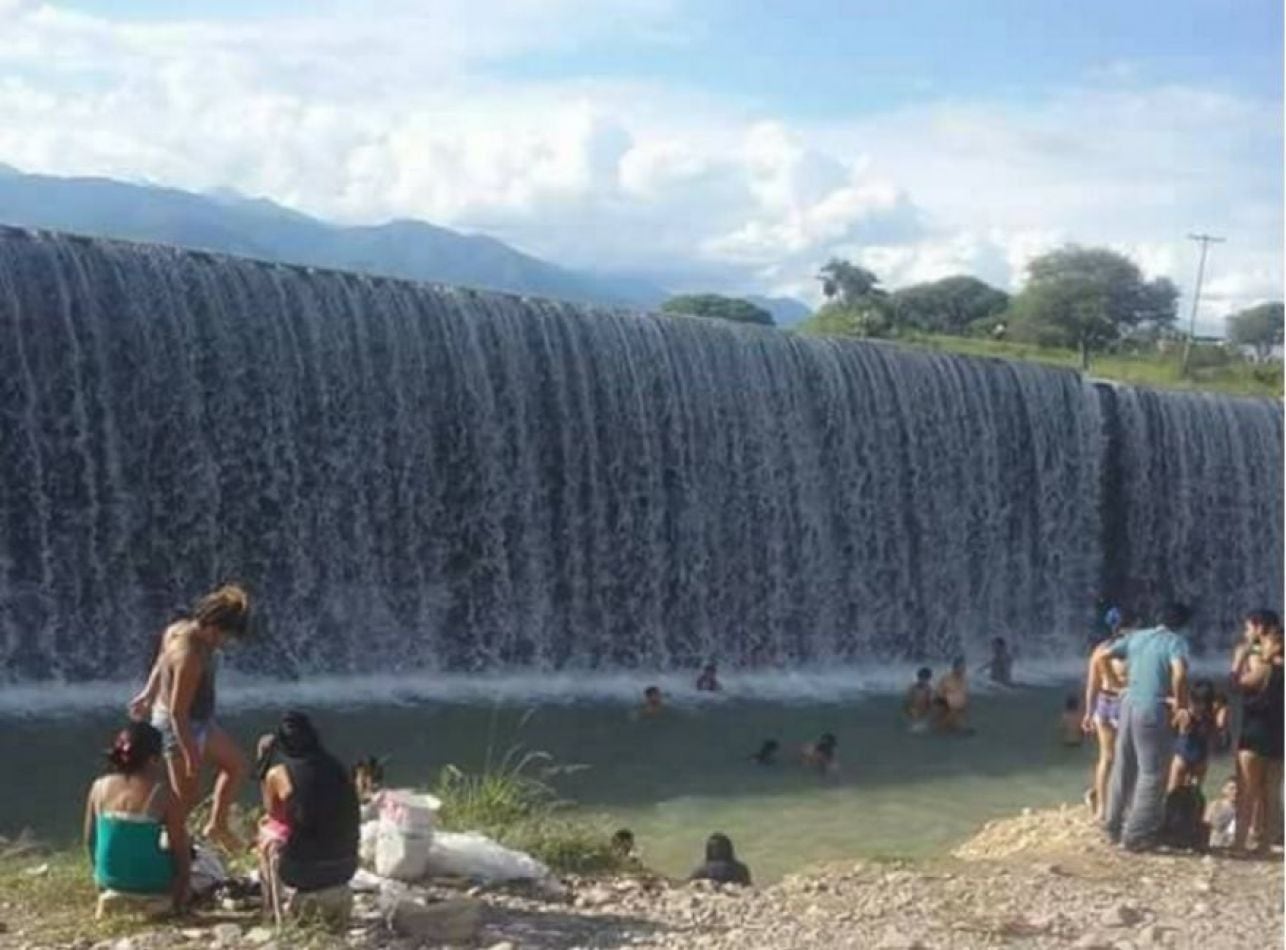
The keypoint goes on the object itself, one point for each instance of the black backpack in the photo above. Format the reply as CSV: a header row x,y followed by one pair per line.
x,y
1185,825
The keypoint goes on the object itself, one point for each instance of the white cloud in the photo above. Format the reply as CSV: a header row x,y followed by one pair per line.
x,y
408,114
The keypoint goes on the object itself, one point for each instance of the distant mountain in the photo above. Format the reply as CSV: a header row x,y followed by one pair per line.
x,y
785,310
229,222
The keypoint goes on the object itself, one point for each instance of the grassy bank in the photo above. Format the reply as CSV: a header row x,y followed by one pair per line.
x,y
1212,368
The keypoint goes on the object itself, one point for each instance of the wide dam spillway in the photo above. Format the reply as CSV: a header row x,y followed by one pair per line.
x,y
410,476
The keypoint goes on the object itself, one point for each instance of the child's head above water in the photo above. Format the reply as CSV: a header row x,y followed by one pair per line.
x,y
652,695
623,841
135,747
923,675
767,750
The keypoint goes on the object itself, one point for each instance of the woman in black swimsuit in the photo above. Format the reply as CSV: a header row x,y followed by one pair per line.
x,y
1257,673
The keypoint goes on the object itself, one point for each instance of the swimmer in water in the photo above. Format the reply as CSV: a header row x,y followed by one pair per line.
x,y
820,755
652,702
918,705
953,688
1001,665
767,754
708,681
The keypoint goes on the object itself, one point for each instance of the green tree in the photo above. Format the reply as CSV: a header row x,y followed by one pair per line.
x,y
863,319
1087,298
718,307
848,284
1258,327
949,305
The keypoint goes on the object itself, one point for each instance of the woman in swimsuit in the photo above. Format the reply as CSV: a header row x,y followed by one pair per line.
x,y
1257,673
126,813
1104,683
180,699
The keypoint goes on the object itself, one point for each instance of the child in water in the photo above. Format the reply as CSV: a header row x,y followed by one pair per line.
x,y
953,689
918,706
652,702
1070,730
1001,665
820,755
767,754
708,681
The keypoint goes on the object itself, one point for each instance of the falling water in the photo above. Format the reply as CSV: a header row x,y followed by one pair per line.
x,y
423,477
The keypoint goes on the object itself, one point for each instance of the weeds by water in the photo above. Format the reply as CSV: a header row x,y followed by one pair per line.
x,y
513,799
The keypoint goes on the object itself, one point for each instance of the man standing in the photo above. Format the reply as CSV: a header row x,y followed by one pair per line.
x,y
1158,671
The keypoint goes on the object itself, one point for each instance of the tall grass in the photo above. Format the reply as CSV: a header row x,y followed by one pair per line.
x,y
512,799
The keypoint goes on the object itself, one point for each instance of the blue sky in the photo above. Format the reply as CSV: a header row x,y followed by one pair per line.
x,y
706,144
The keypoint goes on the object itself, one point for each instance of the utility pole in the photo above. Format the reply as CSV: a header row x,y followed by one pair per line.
x,y
1205,240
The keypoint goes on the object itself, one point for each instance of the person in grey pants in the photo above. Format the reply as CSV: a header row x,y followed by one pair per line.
x,y
1158,671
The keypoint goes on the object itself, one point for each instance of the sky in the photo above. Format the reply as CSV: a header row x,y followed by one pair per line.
x,y
730,145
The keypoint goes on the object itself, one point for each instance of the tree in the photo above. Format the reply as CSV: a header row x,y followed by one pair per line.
x,y
1087,298
848,284
833,319
949,305
718,307
1258,327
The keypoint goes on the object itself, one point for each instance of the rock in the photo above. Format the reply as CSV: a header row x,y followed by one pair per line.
x,y
449,921
895,940
502,945
1203,887
225,935
1199,909
39,870
1092,941
259,936
1120,915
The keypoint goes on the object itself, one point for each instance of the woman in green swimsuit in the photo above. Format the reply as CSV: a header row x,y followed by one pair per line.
x,y
125,814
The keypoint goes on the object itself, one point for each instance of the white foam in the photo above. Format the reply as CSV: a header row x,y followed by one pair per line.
x,y
804,685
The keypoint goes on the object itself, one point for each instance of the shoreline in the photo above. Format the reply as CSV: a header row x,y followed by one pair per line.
x,y
1041,879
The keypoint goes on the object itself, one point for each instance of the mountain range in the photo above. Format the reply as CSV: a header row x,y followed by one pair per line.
x,y
229,222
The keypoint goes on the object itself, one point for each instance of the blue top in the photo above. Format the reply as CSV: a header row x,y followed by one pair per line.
x,y
1149,654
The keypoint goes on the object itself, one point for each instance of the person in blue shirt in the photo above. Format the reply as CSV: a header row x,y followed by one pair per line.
x,y
1158,678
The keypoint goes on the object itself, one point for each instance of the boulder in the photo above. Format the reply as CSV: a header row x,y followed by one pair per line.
x,y
455,921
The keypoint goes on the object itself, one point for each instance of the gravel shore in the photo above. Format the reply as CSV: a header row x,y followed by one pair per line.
x,y
1041,880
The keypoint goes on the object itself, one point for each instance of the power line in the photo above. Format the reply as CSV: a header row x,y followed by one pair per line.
x,y
1205,240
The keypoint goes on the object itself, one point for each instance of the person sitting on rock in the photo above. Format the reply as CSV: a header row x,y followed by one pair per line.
x,y
721,864
1221,815
918,705
126,813
708,681
311,830
820,755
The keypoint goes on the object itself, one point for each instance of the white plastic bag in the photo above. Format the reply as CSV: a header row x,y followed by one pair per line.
x,y
478,858
370,835
404,834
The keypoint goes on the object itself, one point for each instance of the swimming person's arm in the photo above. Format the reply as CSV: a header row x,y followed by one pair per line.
x,y
186,678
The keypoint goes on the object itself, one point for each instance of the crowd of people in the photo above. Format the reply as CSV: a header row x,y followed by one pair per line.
x,y
1156,731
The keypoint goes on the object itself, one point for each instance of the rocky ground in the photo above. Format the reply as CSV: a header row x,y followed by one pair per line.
x,y
1043,879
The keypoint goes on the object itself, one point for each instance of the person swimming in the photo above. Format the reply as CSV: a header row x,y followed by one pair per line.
x,y
767,754
820,755
953,689
653,703
918,705
1001,665
622,844
708,681
1070,730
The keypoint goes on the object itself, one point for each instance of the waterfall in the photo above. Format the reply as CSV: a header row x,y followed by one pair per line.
x,y
410,476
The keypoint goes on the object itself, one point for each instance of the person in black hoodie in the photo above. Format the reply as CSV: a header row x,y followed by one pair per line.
x,y
309,796
721,864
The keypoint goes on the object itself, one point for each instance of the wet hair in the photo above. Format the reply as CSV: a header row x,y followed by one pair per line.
x,y
1072,702
719,848
652,691
133,748
623,841
1264,619
369,770
227,608
1175,616
296,735
923,674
